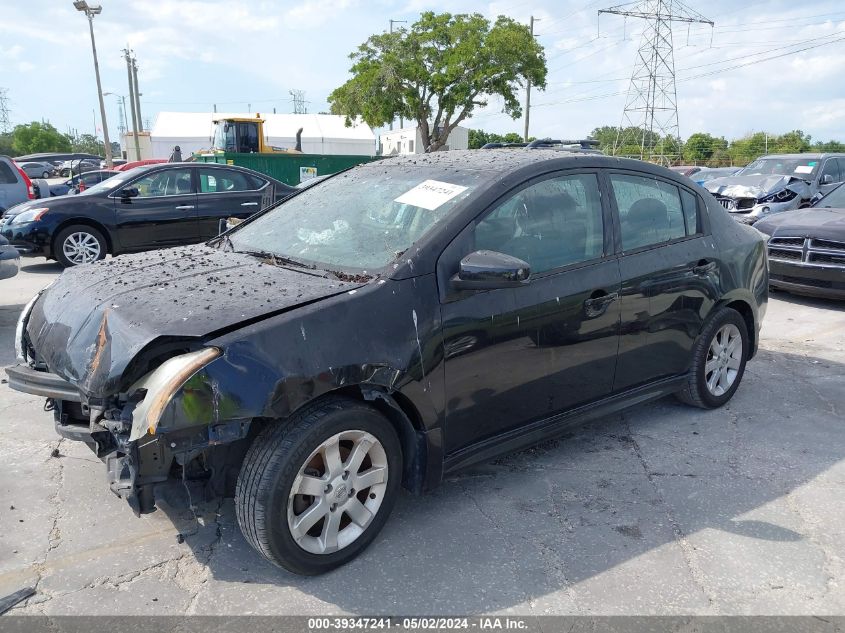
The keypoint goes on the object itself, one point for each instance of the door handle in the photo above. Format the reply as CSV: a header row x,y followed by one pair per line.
x,y
596,306
184,207
704,268
603,300
249,204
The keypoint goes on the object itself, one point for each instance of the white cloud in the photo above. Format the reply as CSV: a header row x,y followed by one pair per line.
x,y
312,13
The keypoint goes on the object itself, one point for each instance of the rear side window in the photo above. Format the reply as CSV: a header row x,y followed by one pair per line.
x,y
689,201
7,175
223,180
650,211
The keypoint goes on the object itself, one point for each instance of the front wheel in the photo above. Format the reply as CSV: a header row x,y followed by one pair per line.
x,y
79,244
46,174
315,491
718,361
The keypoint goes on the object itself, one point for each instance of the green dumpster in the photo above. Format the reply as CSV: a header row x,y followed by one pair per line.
x,y
289,168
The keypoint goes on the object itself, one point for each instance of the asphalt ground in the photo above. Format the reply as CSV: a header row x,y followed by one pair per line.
x,y
664,509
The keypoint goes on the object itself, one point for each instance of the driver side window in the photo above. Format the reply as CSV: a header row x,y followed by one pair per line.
x,y
171,182
553,223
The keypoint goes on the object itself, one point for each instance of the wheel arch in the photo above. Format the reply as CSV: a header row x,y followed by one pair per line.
x,y
748,314
84,222
417,447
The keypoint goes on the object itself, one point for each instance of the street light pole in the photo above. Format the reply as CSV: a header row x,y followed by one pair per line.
x,y
401,120
90,12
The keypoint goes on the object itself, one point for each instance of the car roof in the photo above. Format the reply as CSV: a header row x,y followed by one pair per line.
x,y
166,165
815,155
504,161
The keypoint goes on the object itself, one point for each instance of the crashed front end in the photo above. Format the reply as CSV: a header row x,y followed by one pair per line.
x,y
128,354
141,432
750,200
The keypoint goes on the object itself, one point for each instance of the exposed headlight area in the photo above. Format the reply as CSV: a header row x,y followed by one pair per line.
x,y
162,384
20,349
784,195
30,215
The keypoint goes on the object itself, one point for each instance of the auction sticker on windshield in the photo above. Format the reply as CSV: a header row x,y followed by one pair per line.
x,y
430,194
804,169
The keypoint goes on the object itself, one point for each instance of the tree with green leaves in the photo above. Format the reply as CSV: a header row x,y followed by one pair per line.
x,y
480,138
6,145
87,144
700,147
439,71
38,137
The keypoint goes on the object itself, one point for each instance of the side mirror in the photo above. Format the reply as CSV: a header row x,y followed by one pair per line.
x,y
488,270
827,179
128,192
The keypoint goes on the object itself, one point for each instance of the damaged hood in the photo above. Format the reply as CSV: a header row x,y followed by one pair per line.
x,y
90,324
819,223
756,186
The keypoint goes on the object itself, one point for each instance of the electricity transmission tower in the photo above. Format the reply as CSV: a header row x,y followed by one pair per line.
x,y
650,117
5,124
298,97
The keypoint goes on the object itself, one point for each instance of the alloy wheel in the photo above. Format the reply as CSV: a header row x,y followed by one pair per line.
x,y
337,492
724,359
81,248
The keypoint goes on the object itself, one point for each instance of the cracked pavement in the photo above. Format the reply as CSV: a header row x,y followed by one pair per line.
x,y
663,509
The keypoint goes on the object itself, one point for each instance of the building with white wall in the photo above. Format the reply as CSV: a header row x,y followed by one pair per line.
x,y
408,140
321,133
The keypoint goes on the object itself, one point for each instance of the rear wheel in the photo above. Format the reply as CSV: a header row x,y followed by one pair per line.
x,y
46,174
313,493
718,361
79,244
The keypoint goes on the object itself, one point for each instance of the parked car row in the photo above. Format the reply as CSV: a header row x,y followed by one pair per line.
x,y
149,207
798,202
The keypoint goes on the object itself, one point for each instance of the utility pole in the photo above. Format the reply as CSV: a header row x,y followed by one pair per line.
x,y
137,92
90,12
5,124
391,23
651,108
528,87
126,55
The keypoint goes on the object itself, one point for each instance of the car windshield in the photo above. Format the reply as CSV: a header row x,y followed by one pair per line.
x,y
804,168
106,185
835,199
362,219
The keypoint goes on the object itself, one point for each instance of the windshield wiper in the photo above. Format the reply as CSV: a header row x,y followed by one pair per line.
x,y
224,242
277,260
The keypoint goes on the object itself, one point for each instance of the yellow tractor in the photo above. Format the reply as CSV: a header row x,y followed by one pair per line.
x,y
245,135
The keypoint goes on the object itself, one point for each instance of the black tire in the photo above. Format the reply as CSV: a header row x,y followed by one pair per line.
x,y
696,391
273,463
76,229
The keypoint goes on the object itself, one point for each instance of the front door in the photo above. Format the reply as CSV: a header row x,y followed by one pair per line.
x,y
163,213
516,355
670,276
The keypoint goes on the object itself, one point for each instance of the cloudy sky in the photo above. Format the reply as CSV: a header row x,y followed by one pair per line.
x,y
749,73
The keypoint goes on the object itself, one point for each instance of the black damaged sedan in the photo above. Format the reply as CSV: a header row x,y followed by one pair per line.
x,y
390,325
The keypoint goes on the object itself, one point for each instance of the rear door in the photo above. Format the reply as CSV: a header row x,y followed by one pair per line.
x,y
518,355
164,213
670,275
226,193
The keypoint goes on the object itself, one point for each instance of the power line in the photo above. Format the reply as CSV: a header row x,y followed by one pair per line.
x,y
298,98
652,103
5,124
